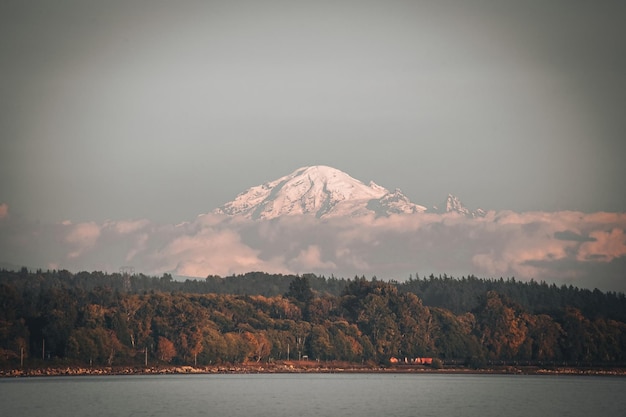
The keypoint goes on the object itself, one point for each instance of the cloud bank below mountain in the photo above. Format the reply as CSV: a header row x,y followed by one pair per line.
x,y
585,250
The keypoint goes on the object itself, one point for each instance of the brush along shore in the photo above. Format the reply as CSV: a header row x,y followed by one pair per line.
x,y
301,367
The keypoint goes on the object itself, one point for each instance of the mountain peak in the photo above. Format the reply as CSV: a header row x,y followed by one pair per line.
x,y
453,205
317,190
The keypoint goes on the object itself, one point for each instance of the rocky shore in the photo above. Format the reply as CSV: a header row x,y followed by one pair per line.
x,y
298,367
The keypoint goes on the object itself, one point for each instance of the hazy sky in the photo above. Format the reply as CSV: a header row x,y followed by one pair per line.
x,y
164,110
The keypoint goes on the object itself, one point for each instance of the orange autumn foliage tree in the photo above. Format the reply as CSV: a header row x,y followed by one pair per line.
x,y
166,350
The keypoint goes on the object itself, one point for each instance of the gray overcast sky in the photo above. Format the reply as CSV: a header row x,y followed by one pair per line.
x,y
164,110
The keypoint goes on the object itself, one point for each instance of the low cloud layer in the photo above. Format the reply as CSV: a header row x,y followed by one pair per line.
x,y
585,250
4,210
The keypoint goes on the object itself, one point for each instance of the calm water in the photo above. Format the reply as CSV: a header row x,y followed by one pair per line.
x,y
304,395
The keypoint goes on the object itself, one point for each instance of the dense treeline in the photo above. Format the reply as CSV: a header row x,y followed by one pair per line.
x,y
103,319
464,294
458,295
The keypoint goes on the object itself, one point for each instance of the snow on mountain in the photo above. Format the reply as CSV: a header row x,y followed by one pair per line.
x,y
454,205
321,191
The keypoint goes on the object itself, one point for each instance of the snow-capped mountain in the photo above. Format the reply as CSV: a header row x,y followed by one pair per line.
x,y
454,205
321,191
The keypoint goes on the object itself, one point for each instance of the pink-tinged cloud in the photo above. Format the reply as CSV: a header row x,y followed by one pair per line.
x,y
310,258
352,260
513,247
141,244
564,247
82,237
212,252
4,210
127,226
606,246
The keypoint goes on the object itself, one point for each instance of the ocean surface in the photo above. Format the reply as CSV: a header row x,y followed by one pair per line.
x,y
304,395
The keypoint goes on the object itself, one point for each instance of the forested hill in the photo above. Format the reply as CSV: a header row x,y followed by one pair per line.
x,y
110,319
458,295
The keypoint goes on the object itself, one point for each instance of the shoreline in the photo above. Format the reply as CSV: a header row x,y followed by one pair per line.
x,y
299,368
